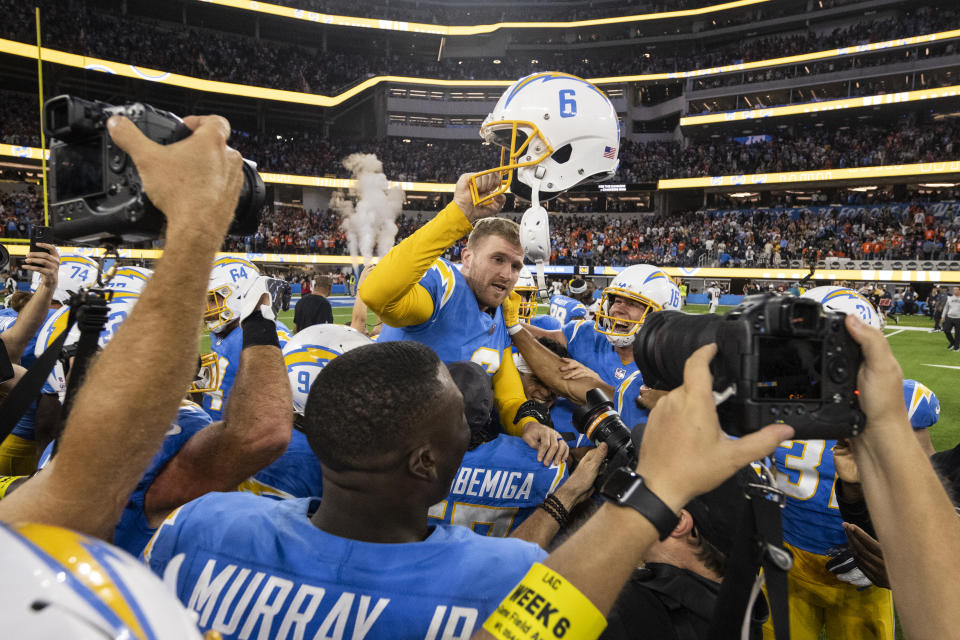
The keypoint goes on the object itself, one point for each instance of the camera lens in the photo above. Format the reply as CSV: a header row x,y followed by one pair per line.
x,y
599,421
666,340
246,218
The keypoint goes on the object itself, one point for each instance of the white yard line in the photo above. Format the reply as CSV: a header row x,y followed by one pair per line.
x,y
942,366
888,335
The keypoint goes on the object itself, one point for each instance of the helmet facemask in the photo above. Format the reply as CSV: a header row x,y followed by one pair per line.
x,y
619,331
217,314
208,374
516,138
528,302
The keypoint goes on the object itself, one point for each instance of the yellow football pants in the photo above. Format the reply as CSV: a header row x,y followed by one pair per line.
x,y
818,600
18,456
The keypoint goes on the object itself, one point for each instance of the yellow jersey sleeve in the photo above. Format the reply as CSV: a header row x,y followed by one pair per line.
x,y
508,394
391,290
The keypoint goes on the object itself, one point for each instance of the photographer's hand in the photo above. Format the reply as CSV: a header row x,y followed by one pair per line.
x,y
34,313
910,511
195,182
684,452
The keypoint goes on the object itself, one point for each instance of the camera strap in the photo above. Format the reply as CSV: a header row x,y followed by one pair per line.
x,y
759,543
30,385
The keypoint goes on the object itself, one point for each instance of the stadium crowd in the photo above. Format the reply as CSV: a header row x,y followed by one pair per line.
x,y
422,495
741,238
210,54
903,141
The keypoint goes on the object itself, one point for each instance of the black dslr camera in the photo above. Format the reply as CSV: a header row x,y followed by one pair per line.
x,y
95,190
778,360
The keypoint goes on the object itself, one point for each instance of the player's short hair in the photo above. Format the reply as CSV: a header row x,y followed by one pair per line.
x,y
502,227
19,300
371,401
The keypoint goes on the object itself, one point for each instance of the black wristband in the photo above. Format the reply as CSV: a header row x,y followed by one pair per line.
x,y
549,508
257,330
554,501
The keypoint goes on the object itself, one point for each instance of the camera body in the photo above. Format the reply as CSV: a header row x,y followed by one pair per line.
x,y
95,190
779,359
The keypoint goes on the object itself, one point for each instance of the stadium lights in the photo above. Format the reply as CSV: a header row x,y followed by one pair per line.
x,y
827,105
938,185
280,95
465,30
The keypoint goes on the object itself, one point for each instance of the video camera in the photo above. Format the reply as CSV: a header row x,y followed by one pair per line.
x,y
95,189
779,359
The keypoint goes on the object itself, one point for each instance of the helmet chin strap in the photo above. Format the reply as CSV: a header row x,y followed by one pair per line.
x,y
535,237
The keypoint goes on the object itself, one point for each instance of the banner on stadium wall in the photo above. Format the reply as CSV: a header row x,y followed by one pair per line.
x,y
875,275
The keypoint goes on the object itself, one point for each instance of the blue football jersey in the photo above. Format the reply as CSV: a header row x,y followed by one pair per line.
x,y
811,516
55,382
132,532
497,487
547,323
257,568
561,413
295,474
806,472
566,309
228,350
457,330
625,401
591,348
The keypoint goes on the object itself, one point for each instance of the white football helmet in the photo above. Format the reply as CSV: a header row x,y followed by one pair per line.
x,y
62,584
310,350
229,281
556,131
847,301
127,281
75,273
527,289
644,283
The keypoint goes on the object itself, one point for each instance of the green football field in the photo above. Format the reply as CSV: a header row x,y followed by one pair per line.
x,y
923,356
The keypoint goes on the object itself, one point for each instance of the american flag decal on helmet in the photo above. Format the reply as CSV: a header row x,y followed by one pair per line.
x,y
609,152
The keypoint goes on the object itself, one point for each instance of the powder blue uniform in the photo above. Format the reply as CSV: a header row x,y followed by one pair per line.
x,y
25,426
566,309
228,351
624,401
252,567
133,532
295,474
547,323
806,472
498,486
457,330
591,348
561,413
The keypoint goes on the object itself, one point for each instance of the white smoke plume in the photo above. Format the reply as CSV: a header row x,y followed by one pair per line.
x,y
370,223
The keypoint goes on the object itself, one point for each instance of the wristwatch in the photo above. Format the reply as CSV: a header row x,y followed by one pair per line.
x,y
627,489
